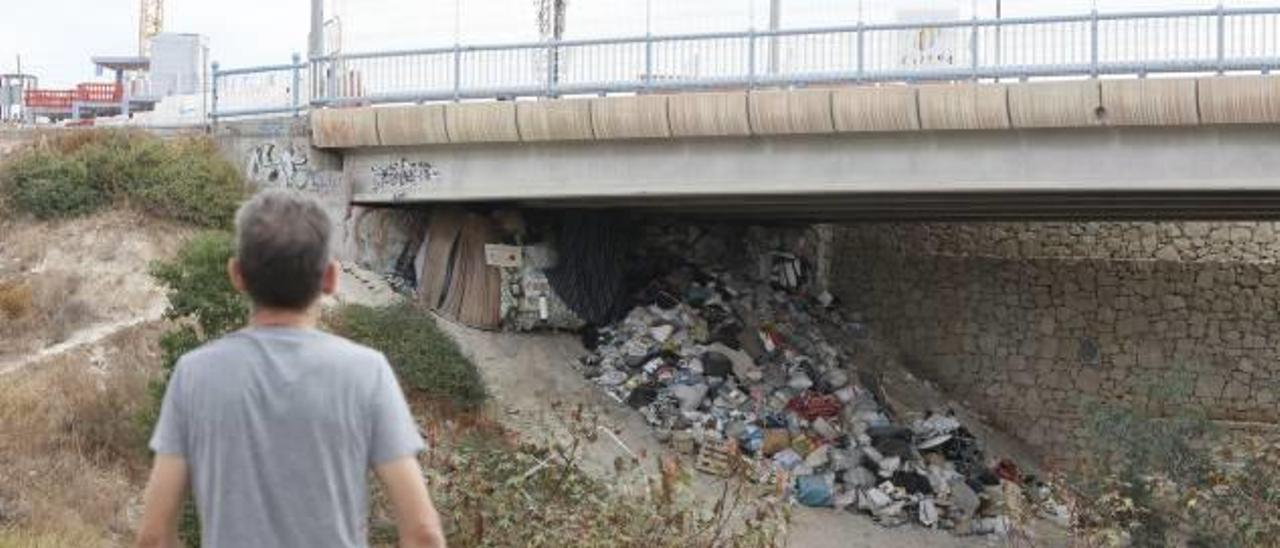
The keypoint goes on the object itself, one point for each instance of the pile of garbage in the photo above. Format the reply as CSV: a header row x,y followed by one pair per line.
x,y
730,366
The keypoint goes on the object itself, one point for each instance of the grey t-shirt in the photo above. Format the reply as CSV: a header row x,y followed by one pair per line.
x,y
279,428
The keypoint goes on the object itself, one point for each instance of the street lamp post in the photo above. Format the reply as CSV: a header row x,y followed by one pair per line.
x,y
315,44
775,23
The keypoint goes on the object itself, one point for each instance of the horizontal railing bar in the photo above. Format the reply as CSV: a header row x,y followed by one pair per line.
x,y
333,73
252,70
254,111
640,39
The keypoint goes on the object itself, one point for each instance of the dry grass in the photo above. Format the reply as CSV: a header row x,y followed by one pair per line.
x,y
42,310
72,461
16,299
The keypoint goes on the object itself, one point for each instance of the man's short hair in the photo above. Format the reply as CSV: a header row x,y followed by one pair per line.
x,y
282,244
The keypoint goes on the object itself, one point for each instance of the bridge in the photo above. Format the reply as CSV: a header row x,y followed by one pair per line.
x,y
1166,114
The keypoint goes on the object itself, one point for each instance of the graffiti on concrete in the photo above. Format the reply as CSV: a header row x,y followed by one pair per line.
x,y
275,166
403,174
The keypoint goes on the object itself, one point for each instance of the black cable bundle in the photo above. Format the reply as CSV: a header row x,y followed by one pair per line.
x,y
590,273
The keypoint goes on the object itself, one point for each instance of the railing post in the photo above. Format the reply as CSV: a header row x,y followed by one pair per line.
x,y
295,91
862,52
751,58
648,60
213,95
551,69
999,47
1093,44
973,48
1222,38
457,72
334,64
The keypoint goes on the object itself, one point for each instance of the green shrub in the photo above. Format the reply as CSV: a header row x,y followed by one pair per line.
x,y
183,179
50,185
206,306
198,287
191,183
494,491
426,360
1151,478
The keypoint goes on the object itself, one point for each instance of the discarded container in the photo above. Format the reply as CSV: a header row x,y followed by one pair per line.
x,y
815,490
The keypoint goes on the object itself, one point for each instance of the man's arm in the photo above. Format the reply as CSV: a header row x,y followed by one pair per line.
x,y
416,517
162,503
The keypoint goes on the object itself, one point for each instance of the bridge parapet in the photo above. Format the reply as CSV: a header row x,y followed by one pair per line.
x,y
854,109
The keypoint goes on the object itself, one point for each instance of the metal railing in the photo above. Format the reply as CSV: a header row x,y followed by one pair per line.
x,y
1089,45
258,91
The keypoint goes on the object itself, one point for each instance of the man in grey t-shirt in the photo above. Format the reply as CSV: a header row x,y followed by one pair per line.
x,y
276,426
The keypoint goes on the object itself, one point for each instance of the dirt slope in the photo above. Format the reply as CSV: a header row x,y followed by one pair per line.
x,y
71,283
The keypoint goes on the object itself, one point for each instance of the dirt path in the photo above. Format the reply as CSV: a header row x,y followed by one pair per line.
x,y
70,284
84,338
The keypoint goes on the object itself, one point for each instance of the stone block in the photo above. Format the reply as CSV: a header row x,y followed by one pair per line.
x,y
878,108
344,127
1150,102
1239,99
1055,104
411,125
489,122
639,117
709,115
555,120
964,106
790,112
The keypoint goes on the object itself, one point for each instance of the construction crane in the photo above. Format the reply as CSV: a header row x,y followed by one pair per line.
x,y
150,23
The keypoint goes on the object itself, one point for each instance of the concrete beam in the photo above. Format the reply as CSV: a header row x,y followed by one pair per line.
x,y
1239,100
554,120
1131,167
411,125
344,128
1150,102
964,106
882,108
791,112
709,115
1055,104
493,122
641,117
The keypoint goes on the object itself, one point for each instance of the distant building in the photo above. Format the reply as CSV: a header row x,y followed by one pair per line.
x,y
178,64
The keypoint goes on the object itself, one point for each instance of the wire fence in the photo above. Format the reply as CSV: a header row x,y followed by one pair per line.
x,y
1089,45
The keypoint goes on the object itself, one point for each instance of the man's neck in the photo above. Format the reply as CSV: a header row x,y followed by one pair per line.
x,y
276,317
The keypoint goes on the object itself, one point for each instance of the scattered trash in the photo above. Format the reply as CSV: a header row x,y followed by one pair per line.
x,y
728,360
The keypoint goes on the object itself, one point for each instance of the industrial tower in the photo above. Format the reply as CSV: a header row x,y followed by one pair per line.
x,y
150,23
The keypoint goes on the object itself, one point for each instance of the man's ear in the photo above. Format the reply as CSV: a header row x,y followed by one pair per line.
x,y
329,282
237,277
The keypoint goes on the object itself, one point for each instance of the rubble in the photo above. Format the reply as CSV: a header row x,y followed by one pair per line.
x,y
724,357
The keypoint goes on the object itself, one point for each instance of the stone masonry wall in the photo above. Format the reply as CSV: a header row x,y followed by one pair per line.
x,y
1027,322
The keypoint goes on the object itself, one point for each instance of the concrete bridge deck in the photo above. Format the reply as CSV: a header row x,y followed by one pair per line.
x,y
1097,148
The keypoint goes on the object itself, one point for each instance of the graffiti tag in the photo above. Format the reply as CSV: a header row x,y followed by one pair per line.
x,y
403,174
275,166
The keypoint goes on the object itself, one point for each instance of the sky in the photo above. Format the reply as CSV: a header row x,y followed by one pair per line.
x,y
56,38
